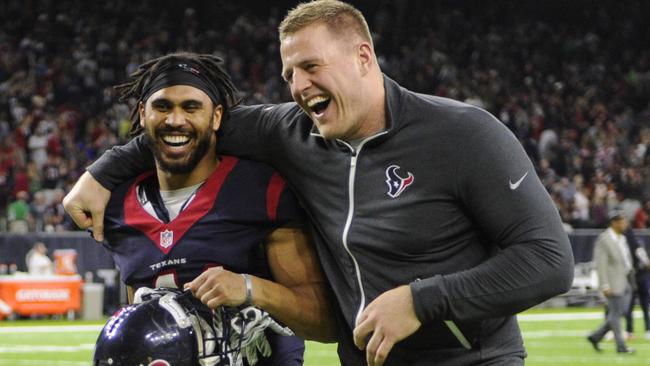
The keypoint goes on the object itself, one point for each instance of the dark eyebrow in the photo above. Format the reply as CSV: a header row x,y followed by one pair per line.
x,y
161,102
286,74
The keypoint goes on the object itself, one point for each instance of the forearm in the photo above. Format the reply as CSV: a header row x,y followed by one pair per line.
x,y
513,280
304,308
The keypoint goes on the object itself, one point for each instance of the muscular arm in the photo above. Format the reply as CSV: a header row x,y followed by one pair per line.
x,y
518,221
297,296
87,200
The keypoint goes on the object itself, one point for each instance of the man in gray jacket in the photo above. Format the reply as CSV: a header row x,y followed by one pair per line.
x,y
614,267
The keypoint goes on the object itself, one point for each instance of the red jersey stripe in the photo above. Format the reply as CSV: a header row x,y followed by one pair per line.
x,y
273,192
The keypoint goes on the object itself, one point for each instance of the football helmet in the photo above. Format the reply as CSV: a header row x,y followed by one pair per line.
x,y
168,327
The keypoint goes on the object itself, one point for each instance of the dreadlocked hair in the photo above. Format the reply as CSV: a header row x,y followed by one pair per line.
x,y
212,66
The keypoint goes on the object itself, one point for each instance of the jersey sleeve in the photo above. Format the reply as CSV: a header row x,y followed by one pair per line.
x,y
496,184
282,206
132,159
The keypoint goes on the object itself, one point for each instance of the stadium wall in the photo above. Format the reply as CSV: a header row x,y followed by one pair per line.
x,y
91,256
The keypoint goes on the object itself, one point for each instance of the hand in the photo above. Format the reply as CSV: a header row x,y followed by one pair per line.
x,y
217,286
607,292
88,196
389,318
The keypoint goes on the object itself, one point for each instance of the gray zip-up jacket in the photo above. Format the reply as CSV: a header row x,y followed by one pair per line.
x,y
445,199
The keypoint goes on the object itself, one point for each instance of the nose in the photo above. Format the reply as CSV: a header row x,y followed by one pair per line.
x,y
301,82
175,118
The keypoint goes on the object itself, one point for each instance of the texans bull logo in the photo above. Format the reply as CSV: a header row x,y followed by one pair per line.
x,y
397,184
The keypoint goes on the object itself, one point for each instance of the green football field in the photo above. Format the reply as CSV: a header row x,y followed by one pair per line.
x,y
552,337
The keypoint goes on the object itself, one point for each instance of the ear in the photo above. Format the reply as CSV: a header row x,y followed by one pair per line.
x,y
141,113
218,112
366,57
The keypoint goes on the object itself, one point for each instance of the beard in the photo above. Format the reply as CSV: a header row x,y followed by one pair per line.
x,y
184,164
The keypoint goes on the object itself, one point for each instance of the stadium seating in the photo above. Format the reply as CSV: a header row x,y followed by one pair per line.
x,y
570,79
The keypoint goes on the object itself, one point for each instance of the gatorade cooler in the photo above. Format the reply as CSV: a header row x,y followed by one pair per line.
x,y
65,261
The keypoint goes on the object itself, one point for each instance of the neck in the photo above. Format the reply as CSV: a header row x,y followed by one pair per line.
x,y
205,167
375,120
617,231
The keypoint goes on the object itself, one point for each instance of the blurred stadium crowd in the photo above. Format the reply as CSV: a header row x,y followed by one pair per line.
x,y
572,81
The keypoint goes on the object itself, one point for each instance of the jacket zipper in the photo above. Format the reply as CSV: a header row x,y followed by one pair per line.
x,y
348,221
346,230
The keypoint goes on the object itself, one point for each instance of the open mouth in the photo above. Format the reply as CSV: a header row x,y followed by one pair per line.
x,y
175,140
318,104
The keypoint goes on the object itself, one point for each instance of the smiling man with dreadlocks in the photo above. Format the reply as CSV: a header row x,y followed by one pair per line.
x,y
229,226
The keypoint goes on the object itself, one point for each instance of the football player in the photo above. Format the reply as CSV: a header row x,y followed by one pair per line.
x,y
198,212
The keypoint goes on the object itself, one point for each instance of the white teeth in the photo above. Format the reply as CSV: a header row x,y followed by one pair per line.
x,y
176,139
315,100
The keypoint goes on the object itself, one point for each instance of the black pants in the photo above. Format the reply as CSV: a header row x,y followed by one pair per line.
x,y
643,294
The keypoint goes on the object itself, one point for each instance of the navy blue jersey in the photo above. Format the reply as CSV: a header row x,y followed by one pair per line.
x,y
226,224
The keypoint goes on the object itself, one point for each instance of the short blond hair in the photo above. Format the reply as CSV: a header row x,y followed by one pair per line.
x,y
341,19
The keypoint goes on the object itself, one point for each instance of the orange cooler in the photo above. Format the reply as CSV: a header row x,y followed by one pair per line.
x,y
27,295
65,261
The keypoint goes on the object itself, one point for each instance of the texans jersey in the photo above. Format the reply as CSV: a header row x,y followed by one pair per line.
x,y
225,224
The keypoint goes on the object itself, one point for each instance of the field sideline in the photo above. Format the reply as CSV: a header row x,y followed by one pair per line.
x,y
552,337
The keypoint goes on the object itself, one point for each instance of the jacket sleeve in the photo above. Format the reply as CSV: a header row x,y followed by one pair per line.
x,y
497,186
248,132
254,132
600,260
122,163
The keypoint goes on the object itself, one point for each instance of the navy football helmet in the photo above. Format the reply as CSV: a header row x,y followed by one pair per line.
x,y
168,328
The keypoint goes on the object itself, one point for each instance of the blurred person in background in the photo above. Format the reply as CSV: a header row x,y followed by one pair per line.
x,y
18,214
55,218
38,263
37,145
639,251
615,270
5,193
38,208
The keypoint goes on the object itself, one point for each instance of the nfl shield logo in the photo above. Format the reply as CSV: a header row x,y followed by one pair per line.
x,y
166,238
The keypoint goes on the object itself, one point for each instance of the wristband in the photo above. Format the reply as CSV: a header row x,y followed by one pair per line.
x,y
249,290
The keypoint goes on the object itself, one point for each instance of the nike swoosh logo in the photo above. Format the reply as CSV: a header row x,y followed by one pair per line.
x,y
516,184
